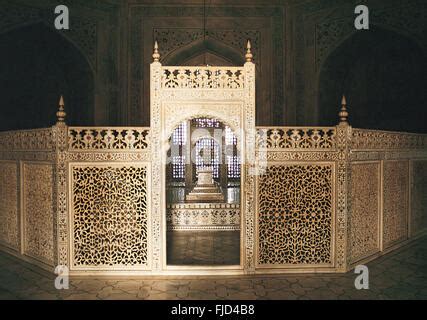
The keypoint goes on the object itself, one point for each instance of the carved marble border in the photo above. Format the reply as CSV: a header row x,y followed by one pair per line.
x,y
356,155
144,155
295,155
27,155
119,139
363,139
296,138
27,140
201,216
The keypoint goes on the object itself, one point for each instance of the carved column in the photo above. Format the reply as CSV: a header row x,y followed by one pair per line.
x,y
61,221
248,166
343,183
157,165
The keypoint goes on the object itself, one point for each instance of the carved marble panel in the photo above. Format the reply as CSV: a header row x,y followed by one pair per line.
x,y
38,211
364,216
295,214
109,215
395,202
9,220
418,197
202,216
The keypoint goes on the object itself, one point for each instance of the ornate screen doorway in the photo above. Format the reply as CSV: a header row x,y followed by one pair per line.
x,y
203,194
223,96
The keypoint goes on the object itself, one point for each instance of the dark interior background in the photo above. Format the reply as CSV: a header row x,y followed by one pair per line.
x,y
37,66
383,75
307,54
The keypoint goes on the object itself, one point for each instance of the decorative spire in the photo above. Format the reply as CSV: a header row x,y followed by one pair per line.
x,y
61,114
343,114
156,55
248,55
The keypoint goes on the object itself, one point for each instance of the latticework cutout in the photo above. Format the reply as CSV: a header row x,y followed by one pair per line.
x,y
110,215
295,214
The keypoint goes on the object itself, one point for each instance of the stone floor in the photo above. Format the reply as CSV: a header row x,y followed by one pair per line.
x,y
399,275
203,247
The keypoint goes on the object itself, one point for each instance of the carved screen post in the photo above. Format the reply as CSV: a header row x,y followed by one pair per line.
x,y
182,93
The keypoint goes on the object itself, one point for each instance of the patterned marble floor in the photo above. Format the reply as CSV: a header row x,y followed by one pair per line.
x,y
399,275
203,247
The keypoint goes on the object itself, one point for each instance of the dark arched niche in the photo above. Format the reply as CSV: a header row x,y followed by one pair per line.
x,y
202,52
38,65
383,75
207,58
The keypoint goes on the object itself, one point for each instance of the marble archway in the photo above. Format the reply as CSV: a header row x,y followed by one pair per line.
x,y
224,93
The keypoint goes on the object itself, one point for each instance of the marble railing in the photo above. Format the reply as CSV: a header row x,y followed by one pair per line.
x,y
327,198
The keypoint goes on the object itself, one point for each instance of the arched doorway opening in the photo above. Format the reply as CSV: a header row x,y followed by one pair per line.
x,y
203,178
383,74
